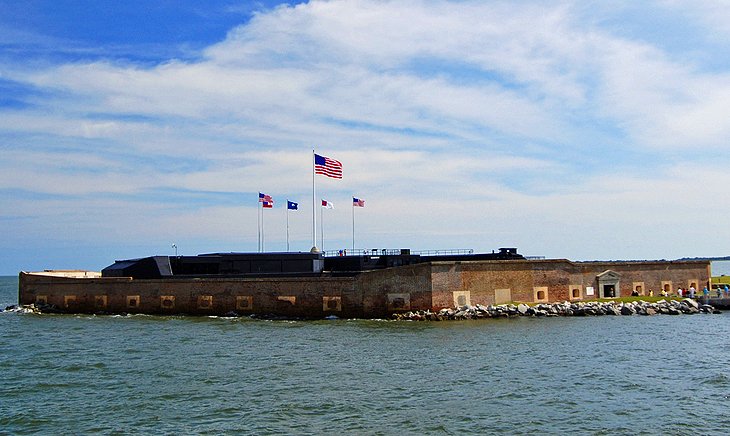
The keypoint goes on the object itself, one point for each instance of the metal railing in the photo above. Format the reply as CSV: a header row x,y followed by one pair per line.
x,y
395,251
444,252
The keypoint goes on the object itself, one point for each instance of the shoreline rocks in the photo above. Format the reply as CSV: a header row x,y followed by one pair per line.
x,y
593,308
662,307
31,308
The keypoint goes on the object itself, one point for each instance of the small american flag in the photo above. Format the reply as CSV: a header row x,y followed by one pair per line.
x,y
267,204
265,197
327,167
358,202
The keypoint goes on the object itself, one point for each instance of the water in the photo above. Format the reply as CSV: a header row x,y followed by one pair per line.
x,y
66,374
720,268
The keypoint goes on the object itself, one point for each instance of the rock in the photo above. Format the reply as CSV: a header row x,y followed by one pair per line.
x,y
627,310
650,311
691,303
612,310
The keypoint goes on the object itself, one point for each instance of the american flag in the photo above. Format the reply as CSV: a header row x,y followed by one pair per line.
x,y
267,204
327,167
265,197
358,202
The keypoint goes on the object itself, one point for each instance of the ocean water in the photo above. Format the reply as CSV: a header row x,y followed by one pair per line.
x,y
720,268
68,374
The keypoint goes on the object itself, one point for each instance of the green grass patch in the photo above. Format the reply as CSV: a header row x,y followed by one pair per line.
x,y
614,300
634,299
721,280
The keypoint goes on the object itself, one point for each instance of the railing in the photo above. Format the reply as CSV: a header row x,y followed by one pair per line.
x,y
444,252
395,251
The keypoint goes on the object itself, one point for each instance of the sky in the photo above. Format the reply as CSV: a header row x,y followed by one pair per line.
x,y
577,129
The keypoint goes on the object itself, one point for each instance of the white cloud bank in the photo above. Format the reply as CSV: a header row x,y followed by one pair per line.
x,y
463,124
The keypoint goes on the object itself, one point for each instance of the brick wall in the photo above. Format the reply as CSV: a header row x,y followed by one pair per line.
x,y
395,290
305,297
371,294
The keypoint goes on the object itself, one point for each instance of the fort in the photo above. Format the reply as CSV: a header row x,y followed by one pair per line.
x,y
364,285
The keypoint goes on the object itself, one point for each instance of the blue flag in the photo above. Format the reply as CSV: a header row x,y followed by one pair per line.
x,y
291,205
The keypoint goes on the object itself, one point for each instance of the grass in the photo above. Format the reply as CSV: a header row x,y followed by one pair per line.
x,y
645,298
721,280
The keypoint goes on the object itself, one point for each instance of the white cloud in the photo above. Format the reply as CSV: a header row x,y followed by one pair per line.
x,y
461,123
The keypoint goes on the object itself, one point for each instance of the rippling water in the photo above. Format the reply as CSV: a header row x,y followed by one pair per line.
x,y
67,374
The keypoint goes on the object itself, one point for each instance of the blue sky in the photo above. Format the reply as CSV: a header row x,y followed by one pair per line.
x,y
580,130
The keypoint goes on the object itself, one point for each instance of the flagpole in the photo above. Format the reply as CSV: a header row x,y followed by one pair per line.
x,y
353,225
258,225
321,223
287,225
263,235
314,208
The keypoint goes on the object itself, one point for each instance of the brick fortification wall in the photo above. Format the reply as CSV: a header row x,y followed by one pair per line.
x,y
534,281
296,297
373,294
391,290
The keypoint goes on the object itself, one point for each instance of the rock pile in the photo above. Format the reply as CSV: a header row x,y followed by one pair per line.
x,y
37,308
594,308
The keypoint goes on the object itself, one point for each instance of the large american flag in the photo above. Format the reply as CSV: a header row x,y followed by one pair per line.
x,y
327,167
